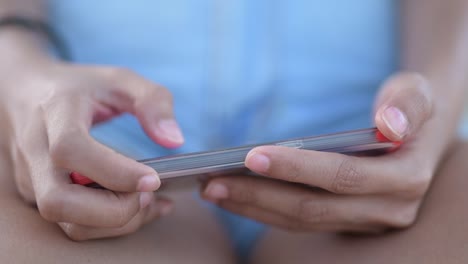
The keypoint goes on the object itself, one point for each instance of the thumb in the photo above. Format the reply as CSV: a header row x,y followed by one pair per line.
x,y
403,106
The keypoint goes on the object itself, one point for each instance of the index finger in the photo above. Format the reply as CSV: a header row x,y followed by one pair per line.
x,y
71,147
334,172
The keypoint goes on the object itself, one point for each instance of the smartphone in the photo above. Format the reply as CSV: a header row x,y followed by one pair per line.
x,y
364,142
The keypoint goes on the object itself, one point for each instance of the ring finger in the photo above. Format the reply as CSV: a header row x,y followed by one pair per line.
x,y
312,206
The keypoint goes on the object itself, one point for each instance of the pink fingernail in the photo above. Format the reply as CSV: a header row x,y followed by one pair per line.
x,y
216,191
145,199
149,183
396,120
257,162
169,129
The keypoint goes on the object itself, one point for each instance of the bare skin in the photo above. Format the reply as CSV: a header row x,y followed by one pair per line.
x,y
189,234
438,236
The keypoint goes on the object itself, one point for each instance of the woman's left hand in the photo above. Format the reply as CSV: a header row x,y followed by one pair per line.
x,y
354,194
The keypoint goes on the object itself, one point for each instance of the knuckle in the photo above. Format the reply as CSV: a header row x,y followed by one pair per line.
x,y
401,216
59,150
22,175
123,212
420,93
57,93
417,184
167,100
26,192
348,178
414,81
422,99
161,95
50,207
61,146
62,135
50,100
164,93
25,189
404,217
414,77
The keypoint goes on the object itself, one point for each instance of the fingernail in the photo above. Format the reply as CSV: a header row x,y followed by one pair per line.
x,y
166,208
169,129
216,191
257,162
149,183
396,120
145,199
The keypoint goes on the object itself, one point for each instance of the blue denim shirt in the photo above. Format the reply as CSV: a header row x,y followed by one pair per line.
x,y
241,71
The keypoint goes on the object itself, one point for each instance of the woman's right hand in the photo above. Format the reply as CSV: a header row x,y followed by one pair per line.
x,y
49,107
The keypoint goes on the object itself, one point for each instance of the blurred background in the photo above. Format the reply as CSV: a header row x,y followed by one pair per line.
x,y
464,124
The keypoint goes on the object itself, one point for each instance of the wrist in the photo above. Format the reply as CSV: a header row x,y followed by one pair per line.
x,y
23,60
21,49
